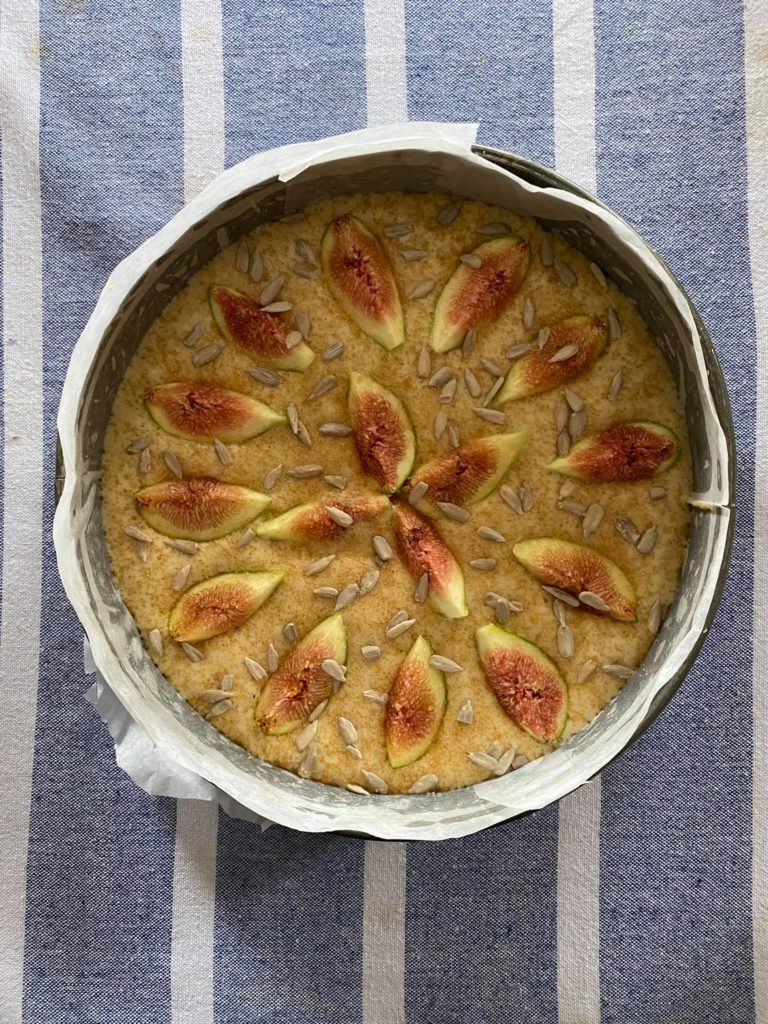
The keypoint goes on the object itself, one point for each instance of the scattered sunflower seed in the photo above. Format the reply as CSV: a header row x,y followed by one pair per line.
x,y
271,290
256,266
446,215
561,595
272,477
422,289
586,671
483,564
424,785
528,314
647,541
208,354
222,452
290,634
491,368
195,334
565,641
563,443
617,671
191,652
453,433
466,713
567,488
339,516
424,364
654,616
471,260
371,652
558,610
138,445
332,352
564,353
302,434
375,782
269,378
213,696
614,325
402,627
488,533
272,658
256,671
354,751
322,387
441,422
346,596
512,498
336,481
398,229
493,391
575,402
308,765
505,761
483,760
136,534
305,472
179,581
277,307
422,589
627,529
306,736
227,682
564,272
547,256
518,350
318,565
592,519
413,255
598,275
441,664
440,377
293,338
616,383
526,496
520,761
376,696
471,383
574,508
495,750
318,712
220,709
400,616
144,463
592,600
382,547
577,424
142,549
301,319
172,462
353,788
417,492
452,511
305,251
657,493
502,611
494,229
561,415
347,731
368,581
468,345
155,642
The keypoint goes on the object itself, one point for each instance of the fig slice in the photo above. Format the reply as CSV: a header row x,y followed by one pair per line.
x,y
360,279
312,521
423,550
220,604
243,322
526,683
575,568
536,372
199,508
623,452
473,296
197,411
293,692
415,708
383,433
470,472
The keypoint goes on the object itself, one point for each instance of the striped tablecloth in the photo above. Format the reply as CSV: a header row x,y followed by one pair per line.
x,y
643,898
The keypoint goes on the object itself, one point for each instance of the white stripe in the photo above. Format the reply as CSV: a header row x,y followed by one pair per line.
x,y
384,933
578,842
756,42
385,71
22,459
203,77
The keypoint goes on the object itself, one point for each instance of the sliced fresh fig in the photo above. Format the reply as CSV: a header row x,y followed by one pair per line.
x,y
243,322
576,568
625,451
470,472
293,692
199,508
526,683
473,296
220,604
423,550
415,707
313,522
197,411
383,433
571,348
360,279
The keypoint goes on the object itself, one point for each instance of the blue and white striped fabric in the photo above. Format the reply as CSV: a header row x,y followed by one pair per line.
x,y
642,898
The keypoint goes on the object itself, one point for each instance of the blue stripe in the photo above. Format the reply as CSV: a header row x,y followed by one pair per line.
x,y
101,851
675,903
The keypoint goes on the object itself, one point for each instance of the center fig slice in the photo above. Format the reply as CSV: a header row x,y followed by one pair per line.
x,y
313,522
293,692
360,279
197,411
423,550
576,568
199,508
473,296
526,683
415,708
383,433
243,322
623,452
220,604
572,347
470,472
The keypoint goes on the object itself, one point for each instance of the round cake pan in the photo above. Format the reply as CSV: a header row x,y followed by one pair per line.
x,y
281,183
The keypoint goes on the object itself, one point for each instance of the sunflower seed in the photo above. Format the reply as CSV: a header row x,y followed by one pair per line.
x,y
346,596
213,696
424,785
306,736
494,229
471,383
347,731
502,611
490,415
412,255
272,658
468,344
585,671
155,642
441,422
332,352
592,519
422,289
422,589
491,368
564,353
567,488
439,377
138,445
453,434
339,516
318,565
505,761
293,417
292,339
483,760
528,314
657,493
614,325
179,581
172,462
471,260
308,765
488,533
277,307
574,508
397,229
446,215
134,532
350,748
561,415
518,350
290,634
256,266
558,610
322,387
627,529
424,363
495,750
382,548
598,275
563,443
493,391
565,641
371,652
142,550
305,251
255,669
271,290
654,616
592,600
357,789
220,709
306,471
144,463
368,581
512,498
223,453
561,595
208,354
191,652
375,782
617,671
402,627
466,713
336,481
547,255
520,761
647,541
272,477
417,492
616,383
526,496
375,696
195,334
564,272
242,257
400,616
441,664
577,424
269,378
318,712
452,511
483,564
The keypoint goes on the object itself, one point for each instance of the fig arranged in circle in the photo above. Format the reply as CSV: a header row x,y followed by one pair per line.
x,y
526,683
571,348
471,472
199,508
576,568
243,322
313,522
415,708
220,604
360,279
292,693
383,433
621,453
473,296
423,550
196,411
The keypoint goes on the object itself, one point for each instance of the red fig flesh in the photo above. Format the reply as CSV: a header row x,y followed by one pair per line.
x,y
220,604
470,472
415,708
199,508
243,322
312,521
423,550
197,411
382,430
623,452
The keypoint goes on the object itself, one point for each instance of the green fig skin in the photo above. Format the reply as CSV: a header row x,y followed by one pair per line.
x,y
416,706
243,322
622,453
422,550
199,508
197,411
220,604
383,433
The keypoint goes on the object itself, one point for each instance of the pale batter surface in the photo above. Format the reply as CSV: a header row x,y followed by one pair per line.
x,y
648,393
